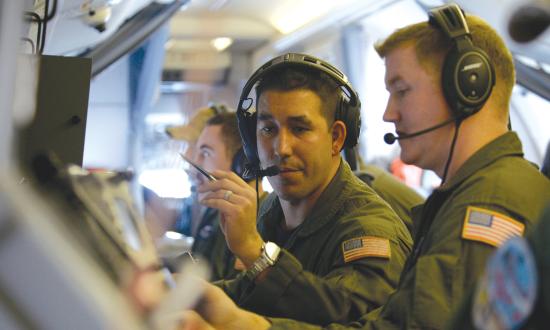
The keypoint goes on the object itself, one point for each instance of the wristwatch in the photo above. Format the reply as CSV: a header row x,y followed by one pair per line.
x,y
269,255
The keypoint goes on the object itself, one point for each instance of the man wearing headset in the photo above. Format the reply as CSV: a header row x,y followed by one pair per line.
x,y
489,191
323,234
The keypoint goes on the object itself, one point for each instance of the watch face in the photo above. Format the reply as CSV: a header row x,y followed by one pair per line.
x,y
272,251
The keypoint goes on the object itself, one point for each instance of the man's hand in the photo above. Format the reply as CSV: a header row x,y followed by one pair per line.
x,y
236,201
193,321
218,311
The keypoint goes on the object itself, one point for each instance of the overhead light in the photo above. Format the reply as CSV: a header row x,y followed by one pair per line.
x,y
221,43
293,16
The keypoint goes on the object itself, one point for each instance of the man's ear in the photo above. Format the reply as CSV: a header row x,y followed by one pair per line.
x,y
339,132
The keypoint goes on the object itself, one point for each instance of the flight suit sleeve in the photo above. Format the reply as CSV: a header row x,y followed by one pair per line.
x,y
288,324
234,288
442,275
537,238
345,293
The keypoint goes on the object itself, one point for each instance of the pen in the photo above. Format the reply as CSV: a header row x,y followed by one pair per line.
x,y
200,169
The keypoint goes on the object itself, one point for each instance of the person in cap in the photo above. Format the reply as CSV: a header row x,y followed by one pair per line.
x,y
190,217
218,148
161,218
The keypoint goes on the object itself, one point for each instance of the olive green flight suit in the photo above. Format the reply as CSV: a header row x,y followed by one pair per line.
x,y
311,281
400,197
539,316
444,265
539,240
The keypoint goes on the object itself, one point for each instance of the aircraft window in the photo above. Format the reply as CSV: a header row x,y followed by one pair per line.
x,y
162,169
530,115
166,182
374,96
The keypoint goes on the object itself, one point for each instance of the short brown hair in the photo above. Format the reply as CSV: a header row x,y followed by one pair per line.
x,y
431,46
291,78
229,130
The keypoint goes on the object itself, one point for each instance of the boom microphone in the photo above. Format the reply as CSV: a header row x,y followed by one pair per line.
x,y
390,138
253,172
270,171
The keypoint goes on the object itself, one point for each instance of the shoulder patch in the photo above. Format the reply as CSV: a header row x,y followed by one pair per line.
x,y
366,246
506,293
489,227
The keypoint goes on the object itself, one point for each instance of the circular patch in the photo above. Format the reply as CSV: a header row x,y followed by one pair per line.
x,y
506,293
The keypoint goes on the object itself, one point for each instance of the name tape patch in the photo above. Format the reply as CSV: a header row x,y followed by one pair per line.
x,y
490,227
366,246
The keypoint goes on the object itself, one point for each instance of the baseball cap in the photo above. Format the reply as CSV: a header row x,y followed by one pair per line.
x,y
190,132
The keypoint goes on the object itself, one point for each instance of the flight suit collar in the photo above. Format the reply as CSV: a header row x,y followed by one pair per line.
x,y
416,217
505,145
321,213
328,203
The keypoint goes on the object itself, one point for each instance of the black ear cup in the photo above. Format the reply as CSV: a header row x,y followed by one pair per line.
x,y
247,128
238,165
351,116
467,79
467,75
348,110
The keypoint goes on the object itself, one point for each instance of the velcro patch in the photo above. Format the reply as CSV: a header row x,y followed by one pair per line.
x,y
366,246
489,227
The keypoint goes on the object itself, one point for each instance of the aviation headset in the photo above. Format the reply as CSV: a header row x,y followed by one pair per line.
x,y
238,162
467,75
348,107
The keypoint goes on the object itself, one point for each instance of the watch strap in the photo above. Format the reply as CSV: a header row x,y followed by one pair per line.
x,y
269,255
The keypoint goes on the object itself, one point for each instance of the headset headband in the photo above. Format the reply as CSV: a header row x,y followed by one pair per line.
x,y
451,20
467,74
296,59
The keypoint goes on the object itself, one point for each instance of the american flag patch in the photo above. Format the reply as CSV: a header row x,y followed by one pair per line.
x,y
366,246
489,227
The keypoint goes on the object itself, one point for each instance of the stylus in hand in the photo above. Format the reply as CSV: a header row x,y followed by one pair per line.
x,y
200,169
